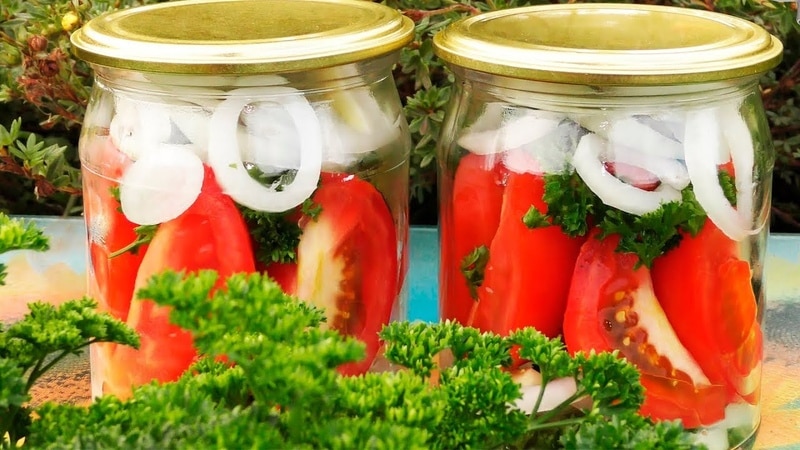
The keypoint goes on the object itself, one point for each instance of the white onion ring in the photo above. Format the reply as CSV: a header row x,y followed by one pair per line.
x,y
225,156
612,191
630,132
702,143
510,135
668,170
161,185
740,142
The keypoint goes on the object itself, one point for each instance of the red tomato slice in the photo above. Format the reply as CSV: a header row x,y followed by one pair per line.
x,y
612,306
347,261
528,274
706,292
112,279
285,274
470,222
211,234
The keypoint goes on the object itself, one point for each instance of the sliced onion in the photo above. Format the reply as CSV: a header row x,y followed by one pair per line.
x,y
138,126
225,155
521,161
703,141
161,185
736,415
612,191
713,438
596,123
345,144
740,142
671,124
630,132
556,392
668,170
510,135
549,154
190,128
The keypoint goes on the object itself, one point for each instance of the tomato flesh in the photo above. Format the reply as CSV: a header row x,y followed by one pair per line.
x,y
612,305
472,222
706,293
528,274
209,235
347,261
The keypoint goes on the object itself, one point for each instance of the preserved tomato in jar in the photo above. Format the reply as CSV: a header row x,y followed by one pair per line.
x,y
604,177
248,135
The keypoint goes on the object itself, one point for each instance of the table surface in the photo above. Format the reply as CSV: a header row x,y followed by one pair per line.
x,y
62,271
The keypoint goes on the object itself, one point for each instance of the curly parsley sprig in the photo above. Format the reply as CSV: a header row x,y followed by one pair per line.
x,y
454,388
276,235
574,207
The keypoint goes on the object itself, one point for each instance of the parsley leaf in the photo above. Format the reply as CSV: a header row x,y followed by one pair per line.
x,y
570,202
473,267
275,236
728,184
535,218
144,235
16,234
653,234
282,389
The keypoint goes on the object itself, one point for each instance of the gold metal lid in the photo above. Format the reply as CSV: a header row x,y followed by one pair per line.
x,y
242,36
609,44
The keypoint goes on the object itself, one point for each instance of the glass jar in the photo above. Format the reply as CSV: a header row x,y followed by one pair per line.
x,y
247,135
605,176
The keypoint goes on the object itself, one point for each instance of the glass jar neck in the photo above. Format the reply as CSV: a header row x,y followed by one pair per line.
x,y
575,97
366,72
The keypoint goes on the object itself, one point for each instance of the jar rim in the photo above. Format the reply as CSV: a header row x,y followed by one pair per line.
x,y
609,44
223,37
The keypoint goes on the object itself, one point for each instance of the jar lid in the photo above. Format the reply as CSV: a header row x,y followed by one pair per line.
x,y
609,44
242,36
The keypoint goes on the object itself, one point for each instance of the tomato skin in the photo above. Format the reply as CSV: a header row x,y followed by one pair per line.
x,y
285,274
706,293
472,220
112,279
211,234
348,261
528,274
612,306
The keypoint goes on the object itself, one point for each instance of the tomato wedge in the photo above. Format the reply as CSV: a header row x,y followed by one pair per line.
x,y
112,279
211,234
347,261
285,274
706,293
612,306
528,274
470,222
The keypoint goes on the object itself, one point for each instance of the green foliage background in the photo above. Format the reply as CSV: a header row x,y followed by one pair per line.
x,y
43,94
